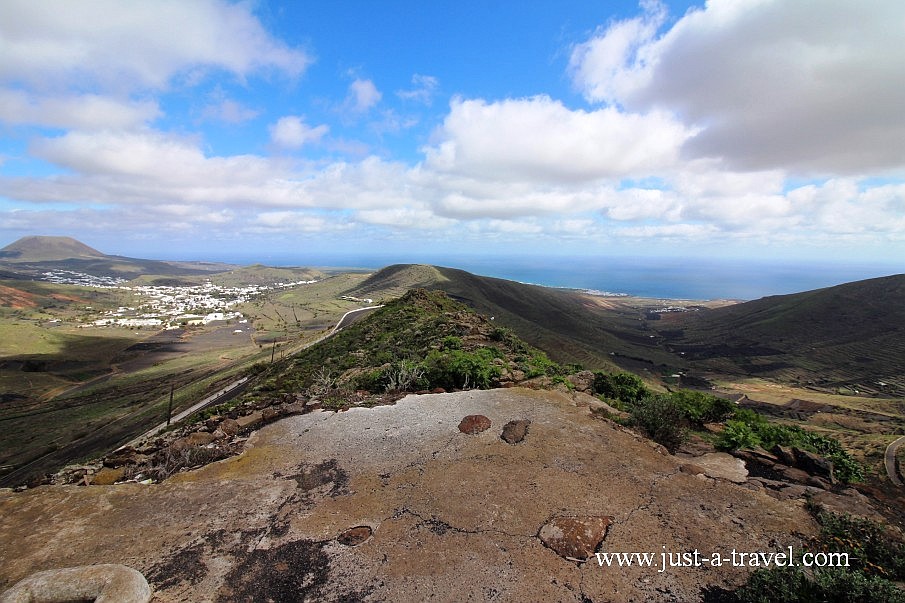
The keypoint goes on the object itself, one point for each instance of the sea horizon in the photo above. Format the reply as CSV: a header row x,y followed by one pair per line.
x,y
650,277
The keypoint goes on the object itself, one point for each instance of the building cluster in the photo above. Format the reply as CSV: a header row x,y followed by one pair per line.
x,y
172,306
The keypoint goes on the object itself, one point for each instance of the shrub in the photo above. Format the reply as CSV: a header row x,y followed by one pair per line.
x,y
768,435
736,435
661,418
701,407
403,376
624,387
457,369
870,548
538,365
828,585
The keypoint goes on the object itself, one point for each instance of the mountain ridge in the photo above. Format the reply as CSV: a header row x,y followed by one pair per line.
x,y
41,248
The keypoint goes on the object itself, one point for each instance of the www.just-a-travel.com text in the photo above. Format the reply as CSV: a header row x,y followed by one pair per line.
x,y
666,560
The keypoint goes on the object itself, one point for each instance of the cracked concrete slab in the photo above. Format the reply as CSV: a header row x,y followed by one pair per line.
x,y
453,517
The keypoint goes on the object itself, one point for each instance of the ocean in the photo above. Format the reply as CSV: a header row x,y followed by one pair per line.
x,y
670,278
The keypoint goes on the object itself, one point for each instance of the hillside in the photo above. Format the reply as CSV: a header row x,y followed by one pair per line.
x,y
571,326
44,249
30,257
849,335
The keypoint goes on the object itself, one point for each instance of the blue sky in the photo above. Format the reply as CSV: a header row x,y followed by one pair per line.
x,y
755,129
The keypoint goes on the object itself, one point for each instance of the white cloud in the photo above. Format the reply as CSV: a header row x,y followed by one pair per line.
x,y
540,139
140,45
804,86
228,111
424,87
80,111
291,132
363,95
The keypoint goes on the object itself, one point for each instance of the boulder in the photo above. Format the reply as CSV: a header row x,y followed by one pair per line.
x,y
355,536
792,474
515,431
108,476
127,455
229,426
784,454
249,420
104,583
473,424
582,381
723,466
575,538
270,413
814,464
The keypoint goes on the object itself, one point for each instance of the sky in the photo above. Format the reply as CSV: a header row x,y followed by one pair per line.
x,y
207,129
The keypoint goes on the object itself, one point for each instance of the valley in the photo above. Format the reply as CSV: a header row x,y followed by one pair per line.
x,y
92,358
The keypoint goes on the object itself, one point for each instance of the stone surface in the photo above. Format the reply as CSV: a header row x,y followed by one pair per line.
x,y
105,583
107,476
249,420
270,413
582,381
723,466
455,518
515,431
355,536
229,426
574,538
473,424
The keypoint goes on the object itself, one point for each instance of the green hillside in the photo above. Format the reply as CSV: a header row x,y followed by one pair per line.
x,y
564,323
850,335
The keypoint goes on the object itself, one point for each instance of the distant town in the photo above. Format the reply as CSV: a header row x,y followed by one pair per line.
x,y
169,307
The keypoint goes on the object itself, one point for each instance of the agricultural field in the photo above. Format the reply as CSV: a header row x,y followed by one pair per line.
x,y
91,388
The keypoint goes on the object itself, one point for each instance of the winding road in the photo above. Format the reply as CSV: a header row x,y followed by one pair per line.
x,y
891,461
235,387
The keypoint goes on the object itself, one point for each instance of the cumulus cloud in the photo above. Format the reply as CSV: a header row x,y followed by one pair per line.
x,y
539,138
291,132
141,45
803,86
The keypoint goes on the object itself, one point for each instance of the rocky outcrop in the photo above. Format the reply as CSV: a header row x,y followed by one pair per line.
x,y
814,464
723,466
106,583
464,517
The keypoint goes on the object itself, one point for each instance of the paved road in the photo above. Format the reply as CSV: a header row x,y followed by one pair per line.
x,y
345,319
222,395
891,461
235,387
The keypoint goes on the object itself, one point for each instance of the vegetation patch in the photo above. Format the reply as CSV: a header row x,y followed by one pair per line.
x,y
748,429
875,559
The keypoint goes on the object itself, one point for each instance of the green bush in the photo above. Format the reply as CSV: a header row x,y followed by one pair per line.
x,y
451,342
539,365
701,407
661,418
870,548
829,585
624,387
737,435
457,369
762,433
